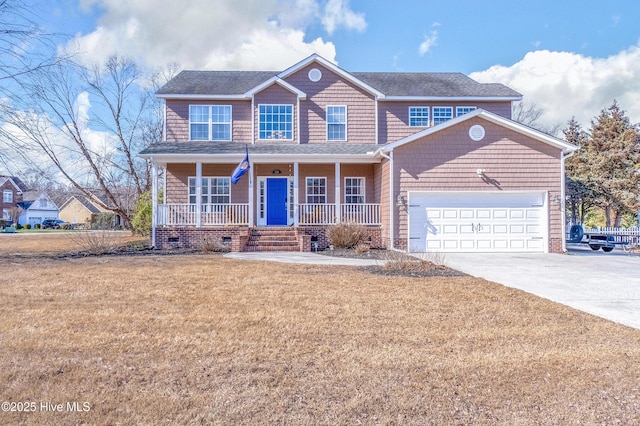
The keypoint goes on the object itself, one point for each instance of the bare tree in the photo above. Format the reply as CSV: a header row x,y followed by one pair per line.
x,y
529,114
24,46
87,124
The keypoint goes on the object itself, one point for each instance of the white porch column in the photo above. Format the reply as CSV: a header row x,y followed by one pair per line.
x,y
252,197
198,195
338,192
296,196
154,202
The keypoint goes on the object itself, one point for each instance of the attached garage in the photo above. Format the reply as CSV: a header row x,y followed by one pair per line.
x,y
483,221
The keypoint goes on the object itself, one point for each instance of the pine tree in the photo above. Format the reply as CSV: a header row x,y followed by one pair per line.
x,y
608,162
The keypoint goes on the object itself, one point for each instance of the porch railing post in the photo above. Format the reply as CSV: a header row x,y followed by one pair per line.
x,y
338,192
198,212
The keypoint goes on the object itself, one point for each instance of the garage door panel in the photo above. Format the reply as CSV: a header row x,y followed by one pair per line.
x,y
466,229
467,214
450,229
477,221
483,214
467,244
500,214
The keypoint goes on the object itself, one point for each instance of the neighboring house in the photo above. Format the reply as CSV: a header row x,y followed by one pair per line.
x,y
79,210
426,161
12,189
36,207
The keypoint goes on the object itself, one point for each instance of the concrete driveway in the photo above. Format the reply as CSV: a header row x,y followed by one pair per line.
x,y
602,284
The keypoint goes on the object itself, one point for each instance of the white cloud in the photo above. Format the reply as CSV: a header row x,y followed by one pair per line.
x,y
565,84
337,13
430,39
220,34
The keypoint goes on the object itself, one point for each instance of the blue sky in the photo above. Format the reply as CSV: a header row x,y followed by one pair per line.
x,y
570,58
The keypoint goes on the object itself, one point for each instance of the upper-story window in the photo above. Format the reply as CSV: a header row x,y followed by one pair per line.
x,y
7,196
442,114
419,116
276,121
210,122
461,110
336,123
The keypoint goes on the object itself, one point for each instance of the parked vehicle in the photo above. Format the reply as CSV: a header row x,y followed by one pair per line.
x,y
54,224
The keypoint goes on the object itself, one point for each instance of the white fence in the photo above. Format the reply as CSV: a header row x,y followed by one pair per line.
x,y
626,236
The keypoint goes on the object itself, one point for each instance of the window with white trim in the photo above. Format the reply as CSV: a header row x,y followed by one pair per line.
x,y
210,122
461,110
336,123
6,214
316,190
215,190
276,121
354,190
442,114
419,116
7,196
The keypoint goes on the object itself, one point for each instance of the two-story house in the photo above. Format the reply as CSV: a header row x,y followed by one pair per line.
x,y
426,161
12,189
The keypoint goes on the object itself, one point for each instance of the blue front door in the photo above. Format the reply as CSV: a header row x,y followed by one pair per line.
x,y
277,201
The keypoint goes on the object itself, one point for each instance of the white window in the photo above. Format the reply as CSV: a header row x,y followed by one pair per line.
x,y
336,123
354,190
6,215
316,190
210,122
442,114
7,196
461,110
419,116
276,122
215,190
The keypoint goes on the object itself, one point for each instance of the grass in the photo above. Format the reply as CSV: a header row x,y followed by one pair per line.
x,y
201,339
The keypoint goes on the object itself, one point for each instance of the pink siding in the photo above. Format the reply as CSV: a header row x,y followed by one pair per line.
x,y
178,119
333,90
178,181
448,161
394,116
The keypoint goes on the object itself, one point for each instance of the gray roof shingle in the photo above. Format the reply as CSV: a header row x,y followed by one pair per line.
x,y
205,148
418,84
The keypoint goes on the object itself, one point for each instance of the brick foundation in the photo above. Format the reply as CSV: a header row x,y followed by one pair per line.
x,y
310,238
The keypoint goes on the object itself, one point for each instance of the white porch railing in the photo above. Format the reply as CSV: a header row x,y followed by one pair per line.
x,y
325,214
238,214
211,214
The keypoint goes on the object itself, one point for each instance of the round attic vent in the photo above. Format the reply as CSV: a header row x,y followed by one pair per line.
x,y
315,74
476,132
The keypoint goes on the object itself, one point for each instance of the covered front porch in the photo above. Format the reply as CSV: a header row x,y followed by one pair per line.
x,y
308,196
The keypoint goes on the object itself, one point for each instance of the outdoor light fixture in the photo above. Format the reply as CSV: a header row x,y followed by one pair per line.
x,y
480,172
556,199
400,201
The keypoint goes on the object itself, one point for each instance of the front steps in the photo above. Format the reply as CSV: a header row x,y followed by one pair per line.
x,y
272,239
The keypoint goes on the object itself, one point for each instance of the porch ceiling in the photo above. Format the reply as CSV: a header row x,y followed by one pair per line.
x,y
233,152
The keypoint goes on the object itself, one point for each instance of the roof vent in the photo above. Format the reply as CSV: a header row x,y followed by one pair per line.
x,y
476,132
315,74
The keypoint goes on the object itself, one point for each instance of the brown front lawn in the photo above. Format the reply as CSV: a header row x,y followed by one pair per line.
x,y
201,339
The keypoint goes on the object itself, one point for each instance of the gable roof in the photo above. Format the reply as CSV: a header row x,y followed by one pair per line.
x,y
566,147
384,85
30,197
91,208
17,183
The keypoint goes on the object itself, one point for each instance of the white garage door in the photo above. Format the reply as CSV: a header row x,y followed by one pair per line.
x,y
477,221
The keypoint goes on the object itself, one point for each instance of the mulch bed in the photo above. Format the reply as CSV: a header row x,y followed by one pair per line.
x,y
397,264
